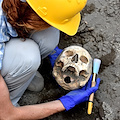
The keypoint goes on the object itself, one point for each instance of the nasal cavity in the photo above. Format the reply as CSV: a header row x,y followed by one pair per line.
x,y
75,58
67,79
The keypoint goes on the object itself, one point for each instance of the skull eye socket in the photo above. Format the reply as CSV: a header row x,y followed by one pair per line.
x,y
84,59
69,53
83,73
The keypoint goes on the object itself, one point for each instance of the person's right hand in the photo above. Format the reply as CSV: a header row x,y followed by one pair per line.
x,y
78,96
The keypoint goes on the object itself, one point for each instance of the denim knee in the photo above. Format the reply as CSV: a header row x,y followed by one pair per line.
x,y
47,40
21,56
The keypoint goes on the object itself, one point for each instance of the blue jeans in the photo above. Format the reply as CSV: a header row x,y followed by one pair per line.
x,y
23,58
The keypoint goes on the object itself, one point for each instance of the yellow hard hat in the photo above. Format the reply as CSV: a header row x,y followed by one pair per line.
x,y
61,14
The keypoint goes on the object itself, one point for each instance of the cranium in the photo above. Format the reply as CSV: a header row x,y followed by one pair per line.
x,y
73,68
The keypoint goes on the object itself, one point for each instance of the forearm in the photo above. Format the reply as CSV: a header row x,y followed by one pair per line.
x,y
31,112
39,111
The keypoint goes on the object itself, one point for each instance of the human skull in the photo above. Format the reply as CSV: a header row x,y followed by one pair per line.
x,y
73,68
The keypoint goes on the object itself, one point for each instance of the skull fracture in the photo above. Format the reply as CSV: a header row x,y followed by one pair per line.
x,y
73,68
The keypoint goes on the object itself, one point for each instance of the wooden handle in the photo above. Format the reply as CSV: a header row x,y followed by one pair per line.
x,y
90,106
90,103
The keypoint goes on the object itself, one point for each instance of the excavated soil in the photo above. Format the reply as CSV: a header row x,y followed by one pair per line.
x,y
99,33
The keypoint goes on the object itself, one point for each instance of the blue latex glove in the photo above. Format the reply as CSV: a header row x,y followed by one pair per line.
x,y
78,96
53,56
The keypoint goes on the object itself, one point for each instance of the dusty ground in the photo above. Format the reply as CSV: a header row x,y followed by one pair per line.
x,y
99,33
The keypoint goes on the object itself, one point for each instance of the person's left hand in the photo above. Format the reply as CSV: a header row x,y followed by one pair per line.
x,y
53,56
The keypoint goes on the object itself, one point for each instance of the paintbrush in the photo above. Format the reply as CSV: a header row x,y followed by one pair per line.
x,y
96,66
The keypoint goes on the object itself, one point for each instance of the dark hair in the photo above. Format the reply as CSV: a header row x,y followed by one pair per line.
x,y
22,17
